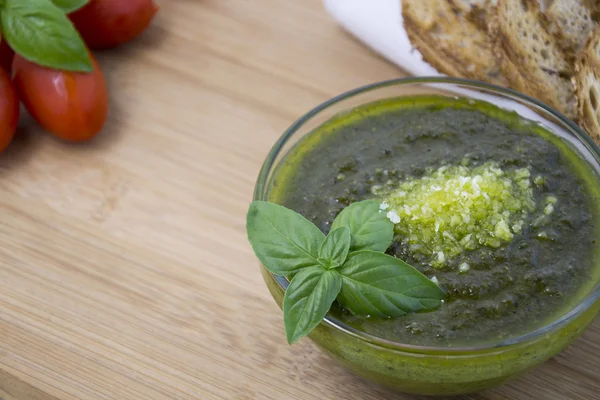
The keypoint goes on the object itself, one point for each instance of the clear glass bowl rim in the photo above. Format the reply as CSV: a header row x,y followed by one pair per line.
x,y
268,164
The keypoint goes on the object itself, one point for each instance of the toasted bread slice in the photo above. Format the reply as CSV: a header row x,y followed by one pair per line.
x,y
570,22
510,71
430,54
477,11
467,6
450,42
595,6
543,69
587,85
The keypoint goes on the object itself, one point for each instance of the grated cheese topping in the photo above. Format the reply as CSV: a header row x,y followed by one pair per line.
x,y
458,208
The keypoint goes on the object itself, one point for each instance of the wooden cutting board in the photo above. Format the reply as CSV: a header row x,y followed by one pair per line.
x,y
124,267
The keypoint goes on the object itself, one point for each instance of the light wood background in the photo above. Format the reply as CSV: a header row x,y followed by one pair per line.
x,y
124,267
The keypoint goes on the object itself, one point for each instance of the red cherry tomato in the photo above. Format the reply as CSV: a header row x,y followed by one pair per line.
x,y
71,105
6,55
9,110
109,23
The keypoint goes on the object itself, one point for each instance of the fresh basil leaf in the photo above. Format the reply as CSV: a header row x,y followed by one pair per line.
x,y
41,32
283,240
68,6
369,227
307,300
335,247
380,285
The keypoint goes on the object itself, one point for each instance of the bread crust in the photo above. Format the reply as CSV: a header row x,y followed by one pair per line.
x,y
431,55
587,86
450,42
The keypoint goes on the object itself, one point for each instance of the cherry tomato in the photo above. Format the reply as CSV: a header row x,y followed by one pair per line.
x,y
9,110
71,105
109,23
6,55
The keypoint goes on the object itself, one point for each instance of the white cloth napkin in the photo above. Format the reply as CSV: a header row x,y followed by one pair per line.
x,y
378,24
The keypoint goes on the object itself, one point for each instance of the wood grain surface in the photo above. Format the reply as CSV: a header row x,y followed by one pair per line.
x,y
125,272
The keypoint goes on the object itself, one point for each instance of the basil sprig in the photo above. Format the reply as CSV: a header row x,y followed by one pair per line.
x,y
370,229
41,32
348,265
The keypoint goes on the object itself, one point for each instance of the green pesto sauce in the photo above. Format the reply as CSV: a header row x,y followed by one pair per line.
x,y
510,288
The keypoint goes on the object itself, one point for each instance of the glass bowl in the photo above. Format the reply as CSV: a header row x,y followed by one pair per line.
x,y
438,370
